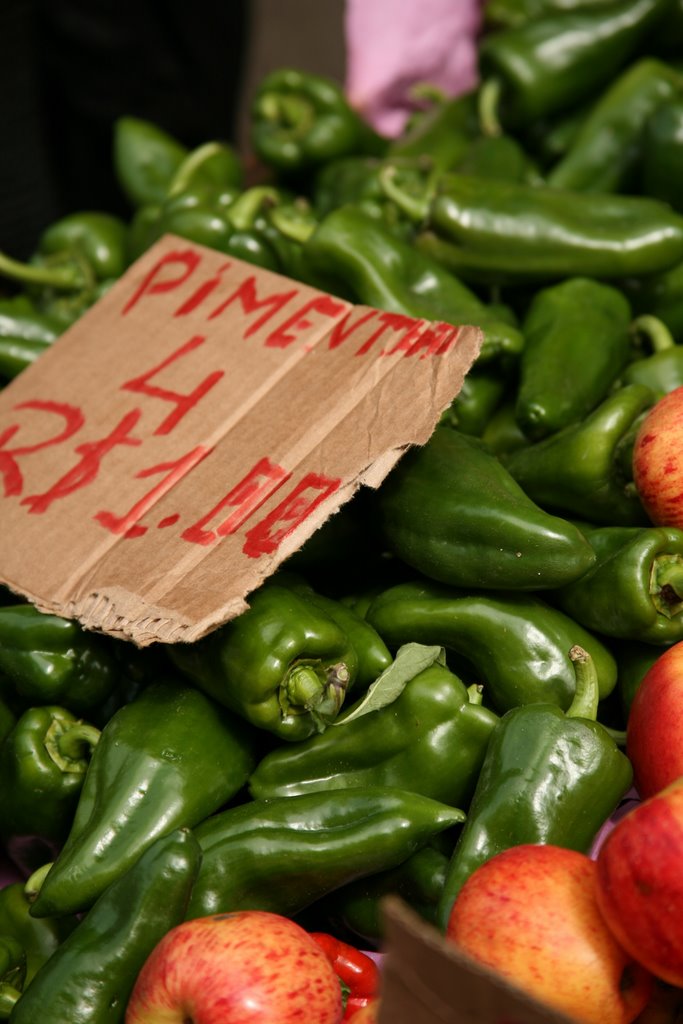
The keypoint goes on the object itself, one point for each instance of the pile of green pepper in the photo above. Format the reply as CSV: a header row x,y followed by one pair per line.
x,y
446,668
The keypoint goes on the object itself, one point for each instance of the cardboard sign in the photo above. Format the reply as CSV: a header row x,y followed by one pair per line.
x,y
426,980
193,428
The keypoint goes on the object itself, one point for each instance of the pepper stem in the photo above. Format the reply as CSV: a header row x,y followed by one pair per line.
x,y
655,330
243,212
79,741
586,694
298,228
666,584
475,693
488,101
190,165
317,691
415,207
67,277
34,882
294,113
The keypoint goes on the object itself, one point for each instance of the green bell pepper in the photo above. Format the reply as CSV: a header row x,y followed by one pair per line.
x,y
284,664
282,855
43,762
662,369
549,776
577,340
89,977
145,159
635,588
555,61
12,973
452,511
661,166
615,137
430,740
300,120
358,253
516,646
50,660
166,760
585,469
39,937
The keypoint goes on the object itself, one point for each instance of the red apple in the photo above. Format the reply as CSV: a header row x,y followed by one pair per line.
x,y
654,731
658,460
531,914
640,883
250,967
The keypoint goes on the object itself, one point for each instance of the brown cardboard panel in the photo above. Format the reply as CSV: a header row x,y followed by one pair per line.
x,y
427,981
193,428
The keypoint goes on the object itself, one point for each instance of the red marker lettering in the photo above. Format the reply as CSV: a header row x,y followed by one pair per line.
x,y
262,480
86,470
388,321
266,536
245,294
188,261
436,340
205,289
183,403
128,524
324,304
73,421
340,332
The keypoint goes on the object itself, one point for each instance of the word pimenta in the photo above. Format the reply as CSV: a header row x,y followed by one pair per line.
x,y
257,305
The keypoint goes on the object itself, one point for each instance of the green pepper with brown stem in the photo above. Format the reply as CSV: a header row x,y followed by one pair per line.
x,y
549,776
166,760
284,664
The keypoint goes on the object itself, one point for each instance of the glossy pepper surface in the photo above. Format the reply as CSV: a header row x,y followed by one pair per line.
x,y
577,340
43,762
38,937
25,333
517,644
661,161
51,660
300,120
90,976
612,142
585,469
431,739
452,511
635,588
549,777
389,274
554,61
173,744
284,664
501,232
284,854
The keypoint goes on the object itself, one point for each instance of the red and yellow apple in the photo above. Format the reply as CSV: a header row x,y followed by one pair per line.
x,y
640,883
531,914
657,460
249,967
654,731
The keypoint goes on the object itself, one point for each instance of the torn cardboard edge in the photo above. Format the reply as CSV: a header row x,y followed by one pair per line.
x,y
189,353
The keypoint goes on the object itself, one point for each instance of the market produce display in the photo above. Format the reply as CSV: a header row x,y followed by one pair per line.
x,y
477,660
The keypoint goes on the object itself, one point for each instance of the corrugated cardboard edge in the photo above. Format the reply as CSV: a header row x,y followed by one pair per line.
x,y
427,981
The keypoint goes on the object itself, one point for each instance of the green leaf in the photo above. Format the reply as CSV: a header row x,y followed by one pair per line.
x,y
410,660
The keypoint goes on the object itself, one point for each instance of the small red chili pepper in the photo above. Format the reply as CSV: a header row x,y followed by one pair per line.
x,y
357,972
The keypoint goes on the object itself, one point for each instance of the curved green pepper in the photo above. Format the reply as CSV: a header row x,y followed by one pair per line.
x,y
480,395
284,665
99,240
430,740
661,167
548,777
452,511
662,370
166,760
301,120
585,469
577,342
635,588
554,61
51,660
145,159
283,854
89,977
613,139
43,762
39,937
388,273
12,973
516,644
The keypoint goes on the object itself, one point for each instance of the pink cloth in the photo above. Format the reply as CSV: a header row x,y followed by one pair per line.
x,y
392,45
